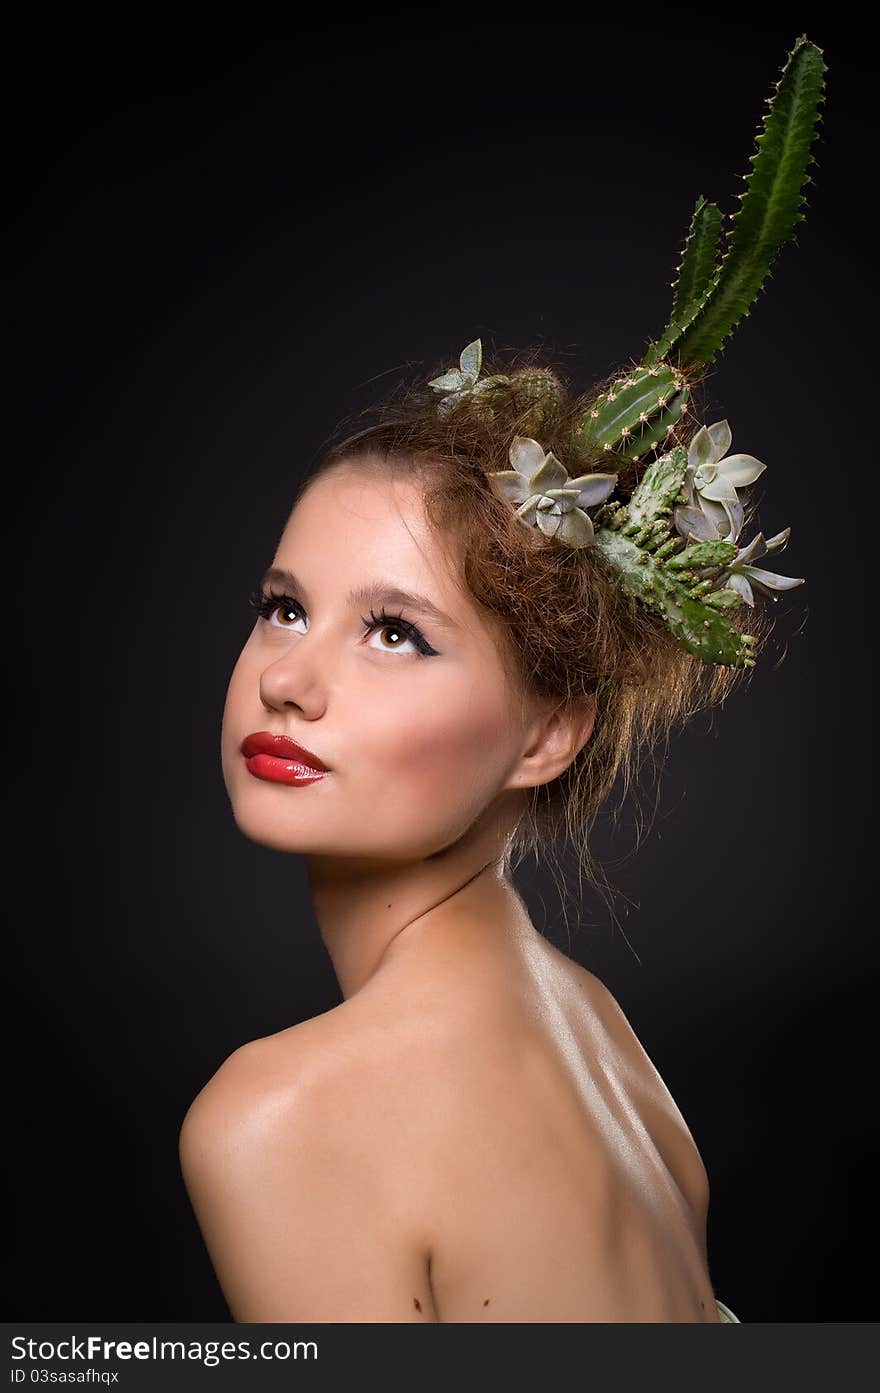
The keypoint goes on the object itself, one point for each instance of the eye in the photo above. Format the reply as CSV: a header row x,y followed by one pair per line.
x,y
289,611
402,629
269,604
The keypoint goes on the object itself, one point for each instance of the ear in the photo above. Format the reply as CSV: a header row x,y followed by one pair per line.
x,y
553,739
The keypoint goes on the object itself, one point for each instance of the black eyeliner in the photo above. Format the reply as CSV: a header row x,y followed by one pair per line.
x,y
266,603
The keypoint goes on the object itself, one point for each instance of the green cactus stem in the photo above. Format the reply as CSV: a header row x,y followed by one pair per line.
x,y
639,411
695,273
704,313
699,259
710,296
668,574
700,554
677,595
659,489
535,389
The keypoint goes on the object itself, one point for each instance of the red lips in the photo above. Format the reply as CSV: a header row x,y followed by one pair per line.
x,y
263,742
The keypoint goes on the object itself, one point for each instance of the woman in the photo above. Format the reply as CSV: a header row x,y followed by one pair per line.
x,y
437,683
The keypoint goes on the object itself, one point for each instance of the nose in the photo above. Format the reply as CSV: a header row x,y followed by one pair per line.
x,y
296,679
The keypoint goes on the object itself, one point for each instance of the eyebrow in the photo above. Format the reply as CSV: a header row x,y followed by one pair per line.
x,y
374,592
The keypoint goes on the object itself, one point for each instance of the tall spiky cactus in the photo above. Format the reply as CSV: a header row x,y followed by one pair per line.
x,y
690,577
711,296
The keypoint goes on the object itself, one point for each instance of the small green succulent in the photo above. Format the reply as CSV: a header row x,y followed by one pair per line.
x,y
545,496
462,382
741,575
712,509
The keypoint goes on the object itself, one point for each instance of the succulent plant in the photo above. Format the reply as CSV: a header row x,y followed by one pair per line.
x,y
544,495
462,381
741,575
712,478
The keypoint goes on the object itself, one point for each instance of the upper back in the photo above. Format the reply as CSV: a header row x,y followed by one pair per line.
x,y
527,1144
483,1129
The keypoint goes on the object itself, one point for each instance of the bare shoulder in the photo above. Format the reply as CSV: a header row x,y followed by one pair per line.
x,y
284,1156
651,1095
274,1070
308,1074
248,1084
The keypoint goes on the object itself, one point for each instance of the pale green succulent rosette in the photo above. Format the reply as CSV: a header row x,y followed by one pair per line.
x,y
741,575
461,382
713,508
544,496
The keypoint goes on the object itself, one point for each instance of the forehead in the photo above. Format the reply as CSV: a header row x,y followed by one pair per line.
x,y
366,521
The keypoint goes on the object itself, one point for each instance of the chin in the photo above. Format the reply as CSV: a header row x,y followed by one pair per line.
x,y
266,830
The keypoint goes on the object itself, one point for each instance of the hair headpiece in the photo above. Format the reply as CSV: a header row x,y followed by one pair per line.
x,y
675,542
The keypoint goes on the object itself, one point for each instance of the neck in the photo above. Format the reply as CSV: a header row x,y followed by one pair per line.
x,y
363,908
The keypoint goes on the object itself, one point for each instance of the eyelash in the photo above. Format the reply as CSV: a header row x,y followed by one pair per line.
x,y
267,604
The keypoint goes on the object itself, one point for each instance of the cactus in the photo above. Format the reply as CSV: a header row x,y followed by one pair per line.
x,y
706,310
668,575
710,299
663,543
660,488
640,410
697,624
698,262
534,390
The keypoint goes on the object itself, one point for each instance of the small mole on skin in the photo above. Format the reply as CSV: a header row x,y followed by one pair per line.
x,y
486,1302
417,1303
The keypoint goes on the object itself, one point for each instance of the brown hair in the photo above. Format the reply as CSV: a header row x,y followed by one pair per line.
x,y
568,629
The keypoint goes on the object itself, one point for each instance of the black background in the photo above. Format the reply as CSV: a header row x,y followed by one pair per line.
x,y
229,234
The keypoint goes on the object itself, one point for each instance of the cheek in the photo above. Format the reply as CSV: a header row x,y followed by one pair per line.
x,y
450,751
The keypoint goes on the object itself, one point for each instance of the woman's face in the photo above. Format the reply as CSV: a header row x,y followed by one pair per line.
x,y
418,743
